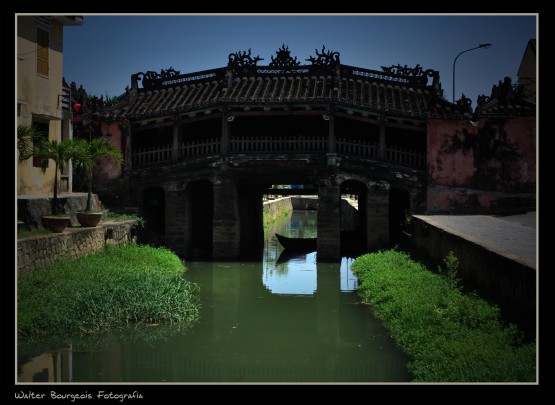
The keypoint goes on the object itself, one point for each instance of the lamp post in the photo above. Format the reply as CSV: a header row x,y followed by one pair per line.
x,y
482,45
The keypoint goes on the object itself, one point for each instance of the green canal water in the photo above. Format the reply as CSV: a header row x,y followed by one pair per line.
x,y
271,321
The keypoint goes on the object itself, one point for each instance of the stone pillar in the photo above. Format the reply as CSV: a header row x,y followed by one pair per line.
x,y
377,216
175,142
252,227
329,221
176,221
226,225
381,151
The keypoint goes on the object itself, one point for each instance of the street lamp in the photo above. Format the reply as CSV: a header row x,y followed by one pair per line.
x,y
482,45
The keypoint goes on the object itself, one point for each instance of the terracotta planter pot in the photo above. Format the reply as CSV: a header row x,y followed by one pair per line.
x,y
54,223
89,219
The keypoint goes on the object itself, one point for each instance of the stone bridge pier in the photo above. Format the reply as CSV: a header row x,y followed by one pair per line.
x,y
218,215
227,222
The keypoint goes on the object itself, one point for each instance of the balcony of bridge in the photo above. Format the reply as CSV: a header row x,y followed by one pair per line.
x,y
279,138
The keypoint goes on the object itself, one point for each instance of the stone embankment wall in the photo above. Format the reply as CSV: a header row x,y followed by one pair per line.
x,y
273,208
43,250
349,214
509,284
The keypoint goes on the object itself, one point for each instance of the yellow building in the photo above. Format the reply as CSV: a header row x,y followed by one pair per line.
x,y
42,100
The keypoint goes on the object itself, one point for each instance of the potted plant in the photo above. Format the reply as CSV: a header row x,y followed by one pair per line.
x,y
31,143
86,159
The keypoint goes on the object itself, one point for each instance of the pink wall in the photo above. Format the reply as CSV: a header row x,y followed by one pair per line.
x,y
472,167
105,169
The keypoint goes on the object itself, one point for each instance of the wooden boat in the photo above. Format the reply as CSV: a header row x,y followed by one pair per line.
x,y
297,244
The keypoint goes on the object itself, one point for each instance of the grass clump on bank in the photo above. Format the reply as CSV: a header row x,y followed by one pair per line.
x,y
116,217
112,289
449,335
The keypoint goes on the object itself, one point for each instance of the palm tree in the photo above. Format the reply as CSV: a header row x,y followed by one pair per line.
x,y
60,153
86,159
27,136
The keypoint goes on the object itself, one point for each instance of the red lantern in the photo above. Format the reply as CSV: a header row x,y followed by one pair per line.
x,y
76,107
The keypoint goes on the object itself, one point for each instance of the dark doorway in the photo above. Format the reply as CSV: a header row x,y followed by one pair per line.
x,y
201,214
399,215
353,217
154,213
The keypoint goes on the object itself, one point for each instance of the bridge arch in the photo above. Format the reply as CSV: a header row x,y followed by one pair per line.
x,y
353,222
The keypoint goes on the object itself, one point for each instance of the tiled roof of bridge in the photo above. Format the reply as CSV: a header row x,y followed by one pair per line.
x,y
375,95
368,93
397,90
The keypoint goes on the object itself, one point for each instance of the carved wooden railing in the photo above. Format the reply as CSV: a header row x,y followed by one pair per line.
x,y
152,155
199,148
357,147
405,156
278,144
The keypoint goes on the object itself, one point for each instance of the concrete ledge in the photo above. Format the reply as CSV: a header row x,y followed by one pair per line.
x,y
485,264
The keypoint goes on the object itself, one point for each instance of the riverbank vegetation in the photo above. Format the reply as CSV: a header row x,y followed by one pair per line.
x,y
117,217
270,219
450,336
115,288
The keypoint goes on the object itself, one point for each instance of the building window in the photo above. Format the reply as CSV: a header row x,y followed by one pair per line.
x,y
43,45
42,128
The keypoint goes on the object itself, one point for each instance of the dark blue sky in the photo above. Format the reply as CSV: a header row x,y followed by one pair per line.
x,y
103,53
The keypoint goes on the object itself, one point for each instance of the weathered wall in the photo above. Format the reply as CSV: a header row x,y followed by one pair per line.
x,y
509,284
487,167
105,169
42,250
29,210
304,203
